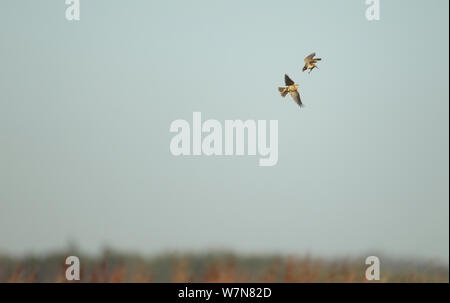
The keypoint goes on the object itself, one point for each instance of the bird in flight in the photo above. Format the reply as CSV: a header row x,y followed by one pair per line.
x,y
310,62
292,89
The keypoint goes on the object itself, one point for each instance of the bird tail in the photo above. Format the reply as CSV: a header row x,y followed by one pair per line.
x,y
283,91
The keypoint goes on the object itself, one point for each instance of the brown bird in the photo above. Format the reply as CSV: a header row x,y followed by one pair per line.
x,y
292,89
310,62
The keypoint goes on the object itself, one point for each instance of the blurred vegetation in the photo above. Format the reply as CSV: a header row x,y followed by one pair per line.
x,y
113,266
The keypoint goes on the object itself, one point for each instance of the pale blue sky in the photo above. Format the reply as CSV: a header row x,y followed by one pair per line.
x,y
85,110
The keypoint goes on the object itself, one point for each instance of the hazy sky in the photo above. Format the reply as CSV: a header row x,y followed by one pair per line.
x,y
85,110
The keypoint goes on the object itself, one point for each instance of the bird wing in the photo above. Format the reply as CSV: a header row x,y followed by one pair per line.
x,y
309,58
296,96
283,91
288,80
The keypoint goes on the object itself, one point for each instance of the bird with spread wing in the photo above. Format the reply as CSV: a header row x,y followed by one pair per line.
x,y
292,89
310,62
